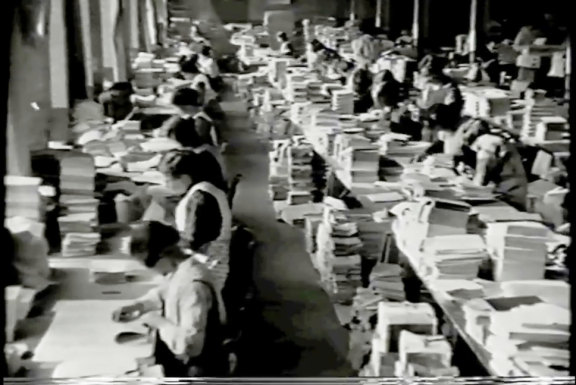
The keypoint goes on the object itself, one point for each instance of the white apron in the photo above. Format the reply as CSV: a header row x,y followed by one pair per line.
x,y
213,135
217,252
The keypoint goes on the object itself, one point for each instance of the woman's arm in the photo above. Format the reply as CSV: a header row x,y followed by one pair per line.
x,y
186,339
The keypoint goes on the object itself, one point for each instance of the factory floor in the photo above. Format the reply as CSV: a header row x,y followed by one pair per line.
x,y
293,329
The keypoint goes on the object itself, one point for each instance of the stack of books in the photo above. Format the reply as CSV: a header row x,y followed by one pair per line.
x,y
359,166
386,280
551,128
314,91
454,256
443,217
80,244
311,224
372,234
518,250
486,102
277,72
424,356
296,88
393,317
23,197
337,255
343,102
300,173
299,112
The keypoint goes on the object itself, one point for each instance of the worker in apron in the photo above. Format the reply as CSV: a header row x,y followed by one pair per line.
x,y
498,163
185,312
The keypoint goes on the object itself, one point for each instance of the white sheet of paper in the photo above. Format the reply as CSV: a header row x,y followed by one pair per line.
x,y
84,329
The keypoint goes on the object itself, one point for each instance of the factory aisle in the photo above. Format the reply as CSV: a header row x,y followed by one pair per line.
x,y
294,330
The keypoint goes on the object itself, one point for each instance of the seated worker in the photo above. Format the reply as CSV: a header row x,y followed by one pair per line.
x,y
203,216
386,91
361,82
364,48
286,48
183,131
189,102
185,311
453,138
116,101
208,66
439,88
198,81
321,55
498,163
159,203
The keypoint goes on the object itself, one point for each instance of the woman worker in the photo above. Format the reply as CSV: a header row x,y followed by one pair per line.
x,y
186,310
286,48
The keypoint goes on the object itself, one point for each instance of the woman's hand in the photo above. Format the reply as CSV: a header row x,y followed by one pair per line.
x,y
153,320
128,313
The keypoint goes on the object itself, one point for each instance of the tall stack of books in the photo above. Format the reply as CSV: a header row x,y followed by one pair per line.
x,y
314,91
454,256
359,166
486,102
23,197
386,280
518,250
343,102
337,255
372,234
300,173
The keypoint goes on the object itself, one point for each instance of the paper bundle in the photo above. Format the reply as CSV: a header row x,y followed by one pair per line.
x,y
343,102
532,332
77,175
426,356
551,128
533,114
360,166
486,102
23,197
394,317
296,88
372,234
80,244
386,279
314,91
454,256
518,250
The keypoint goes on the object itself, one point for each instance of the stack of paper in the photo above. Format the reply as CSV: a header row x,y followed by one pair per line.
x,y
278,69
486,102
365,307
296,88
372,234
535,111
337,255
300,173
490,214
551,128
343,102
528,333
77,173
445,216
80,244
394,317
311,223
398,148
386,279
518,250
426,356
314,91
360,166
23,197
454,256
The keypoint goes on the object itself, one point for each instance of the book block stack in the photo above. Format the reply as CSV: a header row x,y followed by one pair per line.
x,y
23,197
299,112
300,173
442,217
486,102
277,71
533,114
359,166
372,234
454,256
518,250
551,128
337,255
424,356
343,102
296,88
386,280
314,91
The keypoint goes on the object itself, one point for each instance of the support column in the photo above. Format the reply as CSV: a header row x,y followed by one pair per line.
x,y
378,22
353,12
96,44
416,23
473,34
58,52
134,17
